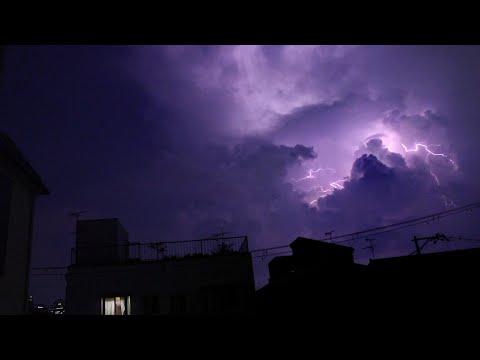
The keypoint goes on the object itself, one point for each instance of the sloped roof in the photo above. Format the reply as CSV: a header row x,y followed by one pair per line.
x,y
12,153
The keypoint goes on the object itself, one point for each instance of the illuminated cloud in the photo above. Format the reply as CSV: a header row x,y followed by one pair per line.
x,y
353,107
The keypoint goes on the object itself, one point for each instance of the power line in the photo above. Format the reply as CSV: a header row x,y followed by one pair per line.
x,y
395,226
268,255
461,238
426,218
408,223
401,227
270,248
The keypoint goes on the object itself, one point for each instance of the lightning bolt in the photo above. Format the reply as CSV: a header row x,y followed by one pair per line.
x,y
435,177
339,184
322,190
429,152
447,202
311,171
320,197
336,184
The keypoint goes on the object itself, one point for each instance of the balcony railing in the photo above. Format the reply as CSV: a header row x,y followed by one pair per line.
x,y
135,252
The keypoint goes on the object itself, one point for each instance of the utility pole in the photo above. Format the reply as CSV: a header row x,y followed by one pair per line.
x,y
416,244
77,213
434,238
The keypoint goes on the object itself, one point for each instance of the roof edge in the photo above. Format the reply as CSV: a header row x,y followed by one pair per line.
x,y
12,151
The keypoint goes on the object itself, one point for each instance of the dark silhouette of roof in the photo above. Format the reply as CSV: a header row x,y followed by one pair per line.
x,y
13,154
325,276
320,252
2,60
99,220
302,243
444,258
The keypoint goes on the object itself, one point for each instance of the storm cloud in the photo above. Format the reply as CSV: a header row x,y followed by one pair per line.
x,y
361,109
179,141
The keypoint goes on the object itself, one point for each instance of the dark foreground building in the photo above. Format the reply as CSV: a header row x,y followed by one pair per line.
x,y
111,276
318,275
19,187
446,279
322,279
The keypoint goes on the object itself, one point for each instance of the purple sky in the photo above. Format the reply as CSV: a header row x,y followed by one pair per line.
x,y
176,141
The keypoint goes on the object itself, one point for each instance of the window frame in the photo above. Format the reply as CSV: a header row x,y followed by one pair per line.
x,y
128,305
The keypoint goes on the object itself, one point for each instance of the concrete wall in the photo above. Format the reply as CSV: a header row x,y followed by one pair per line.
x,y
96,239
14,279
199,281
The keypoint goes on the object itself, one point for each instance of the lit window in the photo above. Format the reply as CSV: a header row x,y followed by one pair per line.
x,y
119,305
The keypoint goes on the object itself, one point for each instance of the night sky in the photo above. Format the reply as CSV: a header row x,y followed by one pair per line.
x,y
180,141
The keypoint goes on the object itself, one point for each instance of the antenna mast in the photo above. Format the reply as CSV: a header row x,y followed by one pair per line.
x,y
329,234
76,214
371,246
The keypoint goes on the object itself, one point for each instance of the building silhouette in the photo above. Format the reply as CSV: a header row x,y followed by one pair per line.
x,y
322,279
111,276
447,278
2,60
317,275
19,187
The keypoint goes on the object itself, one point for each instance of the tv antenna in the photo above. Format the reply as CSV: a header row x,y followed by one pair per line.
x,y
77,213
370,246
221,233
329,234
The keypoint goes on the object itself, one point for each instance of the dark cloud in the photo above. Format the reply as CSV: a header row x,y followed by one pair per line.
x,y
242,186
375,146
375,189
184,139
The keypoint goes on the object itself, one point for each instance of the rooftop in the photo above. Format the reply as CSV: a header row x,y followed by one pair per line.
x,y
143,252
451,256
13,154
302,242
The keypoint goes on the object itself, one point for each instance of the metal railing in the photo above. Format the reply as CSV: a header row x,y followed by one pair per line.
x,y
135,252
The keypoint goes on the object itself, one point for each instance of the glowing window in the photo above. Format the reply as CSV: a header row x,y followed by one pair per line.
x,y
118,305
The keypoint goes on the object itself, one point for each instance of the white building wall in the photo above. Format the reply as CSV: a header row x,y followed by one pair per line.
x,y
190,277
14,280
